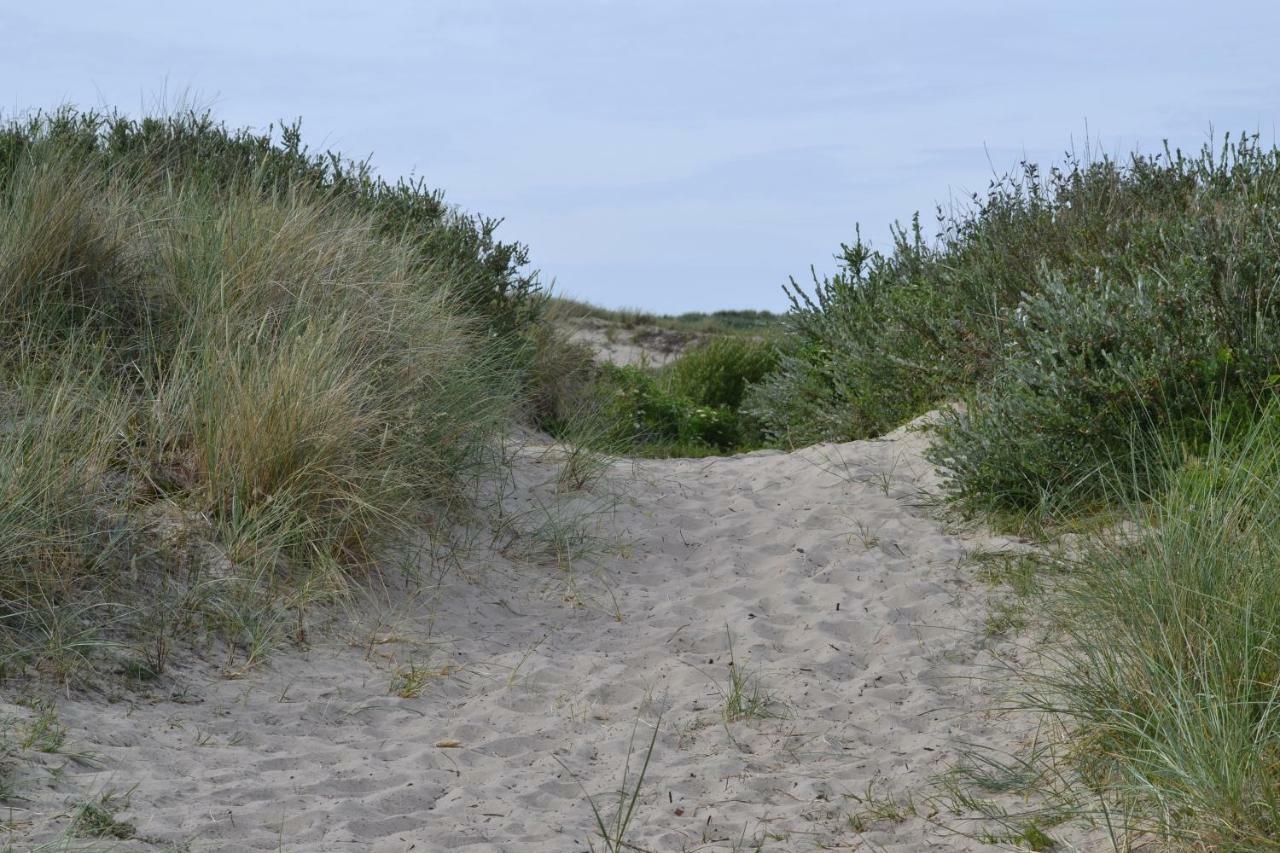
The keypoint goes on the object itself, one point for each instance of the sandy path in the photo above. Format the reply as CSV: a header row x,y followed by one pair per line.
x,y
846,599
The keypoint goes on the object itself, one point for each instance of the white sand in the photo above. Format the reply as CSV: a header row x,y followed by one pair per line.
x,y
648,346
846,597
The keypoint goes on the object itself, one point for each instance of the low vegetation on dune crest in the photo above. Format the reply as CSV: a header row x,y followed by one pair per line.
x,y
727,321
234,372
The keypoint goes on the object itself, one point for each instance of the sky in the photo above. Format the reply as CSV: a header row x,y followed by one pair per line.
x,y
669,155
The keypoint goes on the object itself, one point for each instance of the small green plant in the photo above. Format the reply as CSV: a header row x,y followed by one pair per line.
x,y
1006,617
97,818
744,696
875,808
587,437
1033,838
44,731
410,680
1020,572
613,832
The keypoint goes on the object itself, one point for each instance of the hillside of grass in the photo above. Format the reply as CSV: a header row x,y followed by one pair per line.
x,y
235,373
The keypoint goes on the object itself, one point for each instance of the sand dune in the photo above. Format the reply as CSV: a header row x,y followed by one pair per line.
x,y
611,342
544,662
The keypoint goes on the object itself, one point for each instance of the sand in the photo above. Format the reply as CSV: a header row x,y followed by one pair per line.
x,y
545,661
647,346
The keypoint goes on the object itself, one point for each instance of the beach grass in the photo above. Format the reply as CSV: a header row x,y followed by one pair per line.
x,y
1165,675
232,357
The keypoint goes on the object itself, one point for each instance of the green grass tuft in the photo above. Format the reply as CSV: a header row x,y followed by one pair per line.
x,y
1167,680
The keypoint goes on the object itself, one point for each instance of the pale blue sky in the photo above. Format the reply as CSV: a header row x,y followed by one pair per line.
x,y
675,155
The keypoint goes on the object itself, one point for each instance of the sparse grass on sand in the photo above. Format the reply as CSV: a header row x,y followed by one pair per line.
x,y
741,321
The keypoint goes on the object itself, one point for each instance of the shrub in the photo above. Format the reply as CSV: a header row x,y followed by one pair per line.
x,y
1075,315
717,373
647,418
640,408
1088,377
804,400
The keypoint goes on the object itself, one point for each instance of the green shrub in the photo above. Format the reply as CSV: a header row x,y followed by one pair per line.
x,y
1088,377
712,427
803,401
641,409
718,373
1075,314
648,418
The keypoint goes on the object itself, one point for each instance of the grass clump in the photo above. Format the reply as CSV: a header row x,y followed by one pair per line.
x,y
97,818
1168,680
745,698
279,355
488,276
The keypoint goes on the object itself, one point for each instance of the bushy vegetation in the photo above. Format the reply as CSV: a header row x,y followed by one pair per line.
x,y
1075,314
218,339
719,372
690,407
486,275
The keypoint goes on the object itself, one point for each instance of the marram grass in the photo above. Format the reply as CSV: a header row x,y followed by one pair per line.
x,y
282,360
1168,676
